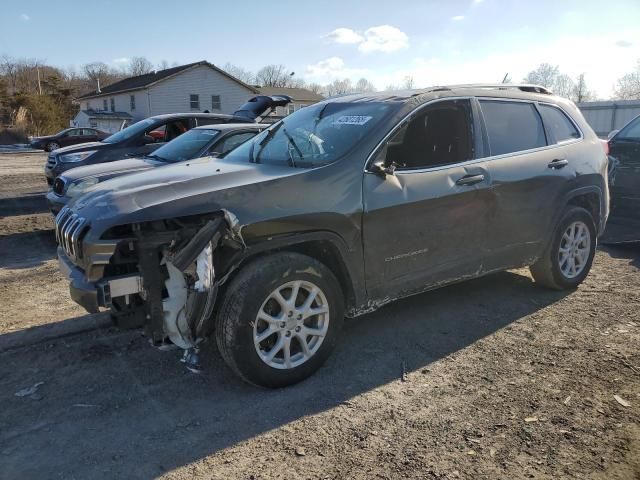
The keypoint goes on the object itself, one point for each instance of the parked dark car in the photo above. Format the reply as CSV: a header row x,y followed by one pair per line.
x,y
338,209
624,184
69,136
203,141
145,136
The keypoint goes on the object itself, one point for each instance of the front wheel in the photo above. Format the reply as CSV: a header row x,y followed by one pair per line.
x,y
51,146
280,319
568,258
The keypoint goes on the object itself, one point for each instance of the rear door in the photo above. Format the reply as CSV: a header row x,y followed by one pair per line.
x,y
624,182
89,135
530,172
425,223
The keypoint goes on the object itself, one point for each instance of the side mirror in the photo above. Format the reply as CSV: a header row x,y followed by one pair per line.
x,y
612,134
379,168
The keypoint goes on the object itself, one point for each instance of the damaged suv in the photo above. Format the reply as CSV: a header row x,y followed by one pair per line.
x,y
334,211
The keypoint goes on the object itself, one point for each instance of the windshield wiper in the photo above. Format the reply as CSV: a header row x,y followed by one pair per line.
x,y
292,142
267,137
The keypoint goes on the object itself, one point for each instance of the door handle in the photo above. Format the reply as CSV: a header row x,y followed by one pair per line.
x,y
470,179
558,163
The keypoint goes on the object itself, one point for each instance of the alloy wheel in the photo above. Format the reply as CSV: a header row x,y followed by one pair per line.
x,y
575,246
291,324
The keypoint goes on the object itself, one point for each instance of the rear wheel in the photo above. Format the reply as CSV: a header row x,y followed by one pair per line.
x,y
51,146
568,258
280,319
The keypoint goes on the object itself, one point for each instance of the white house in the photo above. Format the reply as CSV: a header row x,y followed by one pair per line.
x,y
195,87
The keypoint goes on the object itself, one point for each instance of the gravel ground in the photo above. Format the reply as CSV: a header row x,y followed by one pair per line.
x,y
492,378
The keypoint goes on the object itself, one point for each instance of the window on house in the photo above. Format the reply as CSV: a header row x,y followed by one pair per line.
x,y
132,102
215,102
291,108
104,104
194,102
512,126
93,123
113,104
87,106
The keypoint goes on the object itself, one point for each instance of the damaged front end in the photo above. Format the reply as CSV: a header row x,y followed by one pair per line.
x,y
163,275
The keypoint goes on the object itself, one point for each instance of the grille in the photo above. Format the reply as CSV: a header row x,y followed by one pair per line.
x,y
70,229
51,160
58,186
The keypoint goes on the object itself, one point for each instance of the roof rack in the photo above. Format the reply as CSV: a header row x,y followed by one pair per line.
x,y
524,87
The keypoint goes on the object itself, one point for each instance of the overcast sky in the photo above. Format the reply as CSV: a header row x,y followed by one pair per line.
x,y
436,42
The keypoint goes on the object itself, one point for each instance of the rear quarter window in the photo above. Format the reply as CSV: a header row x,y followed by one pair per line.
x,y
512,126
558,124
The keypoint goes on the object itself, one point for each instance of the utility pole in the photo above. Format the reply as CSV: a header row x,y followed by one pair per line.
x,y
39,84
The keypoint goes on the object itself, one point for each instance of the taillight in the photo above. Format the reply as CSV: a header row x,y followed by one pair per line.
x,y
605,146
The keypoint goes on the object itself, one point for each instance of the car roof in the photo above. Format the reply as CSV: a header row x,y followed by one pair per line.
x,y
192,115
223,127
519,91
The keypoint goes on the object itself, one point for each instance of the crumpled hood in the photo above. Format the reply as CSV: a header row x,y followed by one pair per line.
x,y
80,147
110,169
187,188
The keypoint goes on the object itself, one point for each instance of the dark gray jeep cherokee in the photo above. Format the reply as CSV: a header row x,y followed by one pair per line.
x,y
336,210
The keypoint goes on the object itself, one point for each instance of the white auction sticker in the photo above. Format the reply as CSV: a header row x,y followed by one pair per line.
x,y
352,120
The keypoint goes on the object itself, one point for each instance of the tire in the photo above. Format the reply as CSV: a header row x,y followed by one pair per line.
x,y
51,146
550,271
252,291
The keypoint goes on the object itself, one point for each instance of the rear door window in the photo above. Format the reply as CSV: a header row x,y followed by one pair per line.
x,y
558,125
233,141
512,126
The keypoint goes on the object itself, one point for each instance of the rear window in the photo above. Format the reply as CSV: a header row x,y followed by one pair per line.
x,y
557,123
512,126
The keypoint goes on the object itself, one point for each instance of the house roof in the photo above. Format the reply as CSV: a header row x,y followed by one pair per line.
x,y
107,114
148,79
297,94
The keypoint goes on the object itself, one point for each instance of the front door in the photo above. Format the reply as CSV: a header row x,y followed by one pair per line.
x,y
424,224
624,183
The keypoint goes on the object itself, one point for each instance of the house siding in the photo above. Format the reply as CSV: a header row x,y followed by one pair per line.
x,y
123,103
172,95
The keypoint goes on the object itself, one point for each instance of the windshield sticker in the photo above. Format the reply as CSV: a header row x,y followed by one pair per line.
x,y
352,120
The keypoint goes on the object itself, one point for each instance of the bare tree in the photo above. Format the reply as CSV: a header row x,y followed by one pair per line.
x,y
581,92
364,86
339,87
315,88
163,65
240,73
545,75
140,66
563,86
274,76
9,70
407,82
628,86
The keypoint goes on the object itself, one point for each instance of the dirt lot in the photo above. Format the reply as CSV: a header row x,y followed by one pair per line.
x,y
493,378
